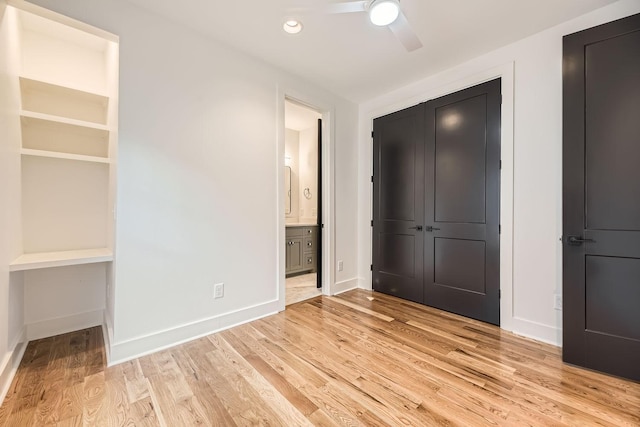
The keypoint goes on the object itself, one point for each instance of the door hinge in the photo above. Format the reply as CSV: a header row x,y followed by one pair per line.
x,y
500,164
371,178
371,134
371,267
499,228
500,99
372,223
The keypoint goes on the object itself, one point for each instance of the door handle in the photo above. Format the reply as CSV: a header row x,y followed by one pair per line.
x,y
430,228
577,241
417,227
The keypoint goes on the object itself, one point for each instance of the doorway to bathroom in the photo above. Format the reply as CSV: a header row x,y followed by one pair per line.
x,y
303,202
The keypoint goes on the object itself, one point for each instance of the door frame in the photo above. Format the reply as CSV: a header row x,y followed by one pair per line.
x,y
413,96
328,193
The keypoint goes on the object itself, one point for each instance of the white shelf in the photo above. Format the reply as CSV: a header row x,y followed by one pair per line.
x,y
60,259
54,100
66,156
64,120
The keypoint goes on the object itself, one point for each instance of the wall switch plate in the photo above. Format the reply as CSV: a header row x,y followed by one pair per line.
x,y
218,290
557,302
340,265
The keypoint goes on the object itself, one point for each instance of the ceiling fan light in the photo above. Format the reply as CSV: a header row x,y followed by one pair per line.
x,y
384,12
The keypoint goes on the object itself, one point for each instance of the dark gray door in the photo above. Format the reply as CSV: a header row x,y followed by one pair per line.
x,y
398,202
462,214
437,203
601,198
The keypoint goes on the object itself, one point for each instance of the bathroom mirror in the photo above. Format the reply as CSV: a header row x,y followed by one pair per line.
x,y
287,190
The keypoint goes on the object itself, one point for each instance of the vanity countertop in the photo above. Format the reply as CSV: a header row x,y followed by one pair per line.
x,y
302,224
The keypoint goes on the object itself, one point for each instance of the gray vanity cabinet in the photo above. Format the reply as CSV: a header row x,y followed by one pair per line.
x,y
301,249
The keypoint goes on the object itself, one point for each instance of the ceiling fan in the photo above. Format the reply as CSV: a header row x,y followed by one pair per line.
x,y
382,13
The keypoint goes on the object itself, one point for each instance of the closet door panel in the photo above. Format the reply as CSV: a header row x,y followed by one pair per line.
x,y
398,203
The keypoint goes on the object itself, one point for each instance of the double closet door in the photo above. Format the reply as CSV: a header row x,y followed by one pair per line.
x,y
436,203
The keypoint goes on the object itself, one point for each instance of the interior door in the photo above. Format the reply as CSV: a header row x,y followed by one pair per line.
x,y
601,198
462,214
398,202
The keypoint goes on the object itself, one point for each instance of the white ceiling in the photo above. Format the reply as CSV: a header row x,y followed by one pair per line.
x,y
350,56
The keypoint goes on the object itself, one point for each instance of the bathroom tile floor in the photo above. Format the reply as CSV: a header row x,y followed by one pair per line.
x,y
300,288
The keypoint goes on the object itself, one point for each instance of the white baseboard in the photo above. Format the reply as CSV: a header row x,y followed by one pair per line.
x,y
537,331
9,366
140,346
344,286
62,325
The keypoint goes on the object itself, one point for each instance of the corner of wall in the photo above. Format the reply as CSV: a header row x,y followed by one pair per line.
x,y
107,335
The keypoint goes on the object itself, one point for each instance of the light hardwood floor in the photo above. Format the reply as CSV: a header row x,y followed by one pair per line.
x,y
360,358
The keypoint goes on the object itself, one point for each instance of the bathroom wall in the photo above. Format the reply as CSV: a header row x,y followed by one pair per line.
x,y
301,154
291,150
308,174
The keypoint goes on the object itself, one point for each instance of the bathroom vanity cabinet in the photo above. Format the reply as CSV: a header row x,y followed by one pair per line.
x,y
301,244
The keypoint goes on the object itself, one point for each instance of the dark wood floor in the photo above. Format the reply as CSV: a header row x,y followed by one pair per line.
x,y
360,358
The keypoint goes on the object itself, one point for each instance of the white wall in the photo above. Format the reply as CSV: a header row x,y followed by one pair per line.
x,y
536,165
11,290
200,171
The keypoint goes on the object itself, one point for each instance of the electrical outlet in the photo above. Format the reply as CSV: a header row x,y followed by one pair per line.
x,y
557,302
340,265
218,290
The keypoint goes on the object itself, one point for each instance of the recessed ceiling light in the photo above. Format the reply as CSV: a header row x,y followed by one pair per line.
x,y
292,26
384,12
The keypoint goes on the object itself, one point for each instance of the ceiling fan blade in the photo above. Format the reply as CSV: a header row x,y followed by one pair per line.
x,y
345,7
401,28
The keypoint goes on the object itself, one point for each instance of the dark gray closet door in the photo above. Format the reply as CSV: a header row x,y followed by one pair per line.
x,y
398,203
462,193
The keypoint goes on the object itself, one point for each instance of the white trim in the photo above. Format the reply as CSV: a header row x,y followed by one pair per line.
x,y
107,335
344,286
426,91
328,189
62,325
146,344
537,331
10,364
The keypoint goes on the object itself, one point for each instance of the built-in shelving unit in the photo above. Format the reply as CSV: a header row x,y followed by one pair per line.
x,y
68,86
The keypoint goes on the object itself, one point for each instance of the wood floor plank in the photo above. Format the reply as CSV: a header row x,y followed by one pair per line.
x,y
195,376
143,413
289,414
358,359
